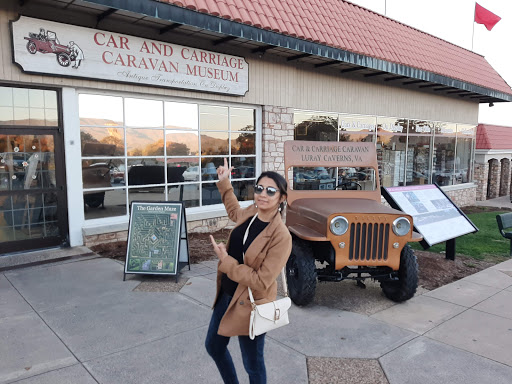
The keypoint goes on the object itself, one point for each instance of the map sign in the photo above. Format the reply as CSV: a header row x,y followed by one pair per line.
x,y
435,216
155,236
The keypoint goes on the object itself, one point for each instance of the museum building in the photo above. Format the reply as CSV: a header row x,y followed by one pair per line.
x,y
107,102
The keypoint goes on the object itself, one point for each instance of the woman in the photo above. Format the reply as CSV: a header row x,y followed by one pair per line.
x,y
266,249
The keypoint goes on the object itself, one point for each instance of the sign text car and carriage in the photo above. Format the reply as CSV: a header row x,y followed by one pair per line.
x,y
53,48
331,154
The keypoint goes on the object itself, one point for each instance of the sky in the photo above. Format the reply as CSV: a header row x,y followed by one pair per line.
x,y
453,21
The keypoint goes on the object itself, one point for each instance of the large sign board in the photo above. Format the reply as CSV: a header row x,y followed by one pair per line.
x,y
435,216
48,47
157,238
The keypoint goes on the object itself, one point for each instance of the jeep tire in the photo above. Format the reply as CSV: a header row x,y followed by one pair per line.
x,y
301,272
405,287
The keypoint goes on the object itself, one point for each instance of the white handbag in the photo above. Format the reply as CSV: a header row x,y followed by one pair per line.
x,y
268,316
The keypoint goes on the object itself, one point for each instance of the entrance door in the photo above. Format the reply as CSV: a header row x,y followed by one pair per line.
x,y
33,208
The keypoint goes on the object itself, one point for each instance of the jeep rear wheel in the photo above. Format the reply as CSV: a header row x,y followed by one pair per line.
x,y
405,287
301,273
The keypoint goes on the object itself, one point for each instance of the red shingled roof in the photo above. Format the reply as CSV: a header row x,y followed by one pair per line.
x,y
341,24
493,137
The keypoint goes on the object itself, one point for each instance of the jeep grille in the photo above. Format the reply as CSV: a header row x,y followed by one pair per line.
x,y
369,241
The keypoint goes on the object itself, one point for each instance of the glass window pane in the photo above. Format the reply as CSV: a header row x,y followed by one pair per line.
x,y
146,171
20,97
316,126
21,116
96,173
243,167
188,193
391,147
243,143
242,119
215,143
418,160
51,117
100,110
104,142
182,143
146,194
50,99
107,203
6,115
209,167
211,194
36,98
181,115
213,118
314,178
357,128
145,142
143,113
6,97
444,160
37,116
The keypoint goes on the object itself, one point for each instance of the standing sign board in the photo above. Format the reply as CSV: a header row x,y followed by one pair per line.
x,y
435,216
157,238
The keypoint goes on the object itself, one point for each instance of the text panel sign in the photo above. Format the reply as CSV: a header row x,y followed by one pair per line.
x,y
154,238
54,48
434,215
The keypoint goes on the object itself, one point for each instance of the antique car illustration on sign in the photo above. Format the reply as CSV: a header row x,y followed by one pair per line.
x,y
47,42
342,230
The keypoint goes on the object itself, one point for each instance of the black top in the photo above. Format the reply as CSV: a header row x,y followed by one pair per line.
x,y
237,247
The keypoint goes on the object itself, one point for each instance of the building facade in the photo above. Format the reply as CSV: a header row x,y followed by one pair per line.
x,y
102,106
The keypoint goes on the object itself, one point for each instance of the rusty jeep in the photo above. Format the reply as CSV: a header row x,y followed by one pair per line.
x,y
340,228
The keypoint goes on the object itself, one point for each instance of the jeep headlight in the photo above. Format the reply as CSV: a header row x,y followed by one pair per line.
x,y
401,226
339,225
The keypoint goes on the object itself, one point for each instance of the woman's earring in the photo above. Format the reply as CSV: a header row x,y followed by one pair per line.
x,y
279,209
256,205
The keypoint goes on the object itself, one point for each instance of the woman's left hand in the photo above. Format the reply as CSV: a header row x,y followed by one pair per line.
x,y
219,249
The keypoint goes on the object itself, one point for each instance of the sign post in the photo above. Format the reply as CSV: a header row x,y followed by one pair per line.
x,y
157,239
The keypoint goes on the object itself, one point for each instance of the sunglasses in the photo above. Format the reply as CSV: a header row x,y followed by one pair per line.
x,y
271,191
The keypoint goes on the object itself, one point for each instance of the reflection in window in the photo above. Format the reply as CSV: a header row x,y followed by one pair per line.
x,y
444,154
331,178
418,152
315,126
405,149
162,150
22,106
391,150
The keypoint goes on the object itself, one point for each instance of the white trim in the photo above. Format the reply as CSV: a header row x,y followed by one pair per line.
x,y
73,161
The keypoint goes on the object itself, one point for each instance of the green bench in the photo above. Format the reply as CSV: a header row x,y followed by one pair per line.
x,y
505,226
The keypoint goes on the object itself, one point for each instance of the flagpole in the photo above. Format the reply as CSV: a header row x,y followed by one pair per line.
x,y
473,34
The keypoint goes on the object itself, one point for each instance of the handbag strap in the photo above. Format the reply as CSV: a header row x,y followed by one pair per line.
x,y
283,275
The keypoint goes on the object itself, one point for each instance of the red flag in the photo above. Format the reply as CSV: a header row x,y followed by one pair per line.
x,y
485,17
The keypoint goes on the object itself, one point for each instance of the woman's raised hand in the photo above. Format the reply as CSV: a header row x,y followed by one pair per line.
x,y
223,171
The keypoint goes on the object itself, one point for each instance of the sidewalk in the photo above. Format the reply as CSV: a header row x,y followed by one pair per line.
x,y
76,321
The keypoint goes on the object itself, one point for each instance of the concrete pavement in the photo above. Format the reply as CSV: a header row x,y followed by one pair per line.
x,y
76,321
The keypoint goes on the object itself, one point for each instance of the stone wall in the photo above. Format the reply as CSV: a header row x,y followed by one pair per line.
x,y
505,177
481,175
494,179
277,128
464,196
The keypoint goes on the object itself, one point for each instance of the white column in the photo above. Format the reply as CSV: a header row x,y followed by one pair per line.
x,y
73,165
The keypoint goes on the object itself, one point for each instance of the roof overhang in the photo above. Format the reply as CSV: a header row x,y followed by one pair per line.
x,y
167,17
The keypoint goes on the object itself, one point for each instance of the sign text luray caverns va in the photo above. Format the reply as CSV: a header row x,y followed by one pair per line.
x,y
53,48
307,153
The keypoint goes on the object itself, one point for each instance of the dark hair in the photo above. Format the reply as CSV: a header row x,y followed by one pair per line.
x,y
281,183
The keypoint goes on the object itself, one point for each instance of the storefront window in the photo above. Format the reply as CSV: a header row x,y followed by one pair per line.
x,y
418,152
23,106
464,153
391,150
444,154
316,126
357,128
157,150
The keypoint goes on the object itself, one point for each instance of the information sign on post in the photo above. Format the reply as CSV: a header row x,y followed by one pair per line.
x,y
157,239
435,216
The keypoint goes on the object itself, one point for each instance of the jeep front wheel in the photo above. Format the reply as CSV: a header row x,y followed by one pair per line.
x,y
405,287
301,273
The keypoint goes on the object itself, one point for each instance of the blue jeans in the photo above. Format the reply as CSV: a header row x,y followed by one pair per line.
x,y
217,348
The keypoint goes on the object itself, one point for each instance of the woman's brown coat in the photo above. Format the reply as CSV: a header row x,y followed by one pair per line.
x,y
264,260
